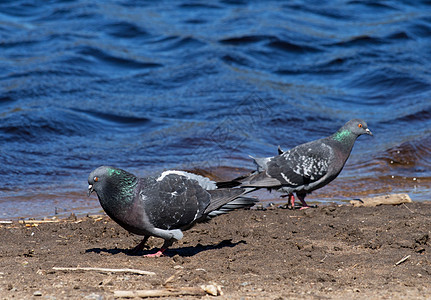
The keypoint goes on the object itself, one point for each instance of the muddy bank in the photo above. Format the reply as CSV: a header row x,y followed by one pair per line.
x,y
324,253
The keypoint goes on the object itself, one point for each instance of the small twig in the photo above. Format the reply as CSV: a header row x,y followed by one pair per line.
x,y
402,260
141,272
170,279
193,291
323,259
408,208
38,221
6,222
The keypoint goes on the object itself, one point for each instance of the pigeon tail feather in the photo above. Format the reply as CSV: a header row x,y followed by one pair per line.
x,y
261,162
234,182
240,202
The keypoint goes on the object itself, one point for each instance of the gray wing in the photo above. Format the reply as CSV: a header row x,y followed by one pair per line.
x,y
260,180
174,201
302,165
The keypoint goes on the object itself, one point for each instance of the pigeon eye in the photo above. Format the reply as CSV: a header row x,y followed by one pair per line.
x,y
360,125
96,179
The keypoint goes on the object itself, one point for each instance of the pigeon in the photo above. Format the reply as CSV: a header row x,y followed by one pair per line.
x,y
306,167
163,205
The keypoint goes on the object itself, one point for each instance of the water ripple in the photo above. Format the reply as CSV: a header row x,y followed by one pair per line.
x,y
149,86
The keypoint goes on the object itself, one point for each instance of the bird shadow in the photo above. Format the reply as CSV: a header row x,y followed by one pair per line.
x,y
184,251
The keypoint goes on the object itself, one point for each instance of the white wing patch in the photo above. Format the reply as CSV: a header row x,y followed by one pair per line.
x,y
287,179
166,173
204,182
308,166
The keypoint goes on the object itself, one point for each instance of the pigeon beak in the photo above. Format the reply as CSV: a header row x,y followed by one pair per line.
x,y
368,132
90,190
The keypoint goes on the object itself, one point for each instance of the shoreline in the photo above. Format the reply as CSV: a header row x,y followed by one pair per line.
x,y
333,251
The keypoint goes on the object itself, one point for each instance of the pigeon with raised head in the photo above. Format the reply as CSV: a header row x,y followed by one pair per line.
x,y
162,205
306,167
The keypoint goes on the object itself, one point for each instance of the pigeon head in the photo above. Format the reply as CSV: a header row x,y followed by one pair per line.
x,y
351,130
358,127
110,180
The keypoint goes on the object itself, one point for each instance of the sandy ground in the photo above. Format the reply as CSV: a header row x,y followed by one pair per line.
x,y
331,252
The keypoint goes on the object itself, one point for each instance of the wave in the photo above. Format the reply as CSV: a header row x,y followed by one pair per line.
x,y
125,30
42,124
179,43
412,117
412,155
387,82
117,120
362,40
244,40
111,59
290,47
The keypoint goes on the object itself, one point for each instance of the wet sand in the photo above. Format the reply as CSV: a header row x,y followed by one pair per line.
x,y
332,252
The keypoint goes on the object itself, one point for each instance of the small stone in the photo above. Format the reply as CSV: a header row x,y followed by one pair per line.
x,y
210,289
94,296
420,250
260,207
37,293
200,269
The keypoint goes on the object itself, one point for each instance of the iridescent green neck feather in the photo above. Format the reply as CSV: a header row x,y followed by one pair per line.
x,y
342,135
112,171
121,184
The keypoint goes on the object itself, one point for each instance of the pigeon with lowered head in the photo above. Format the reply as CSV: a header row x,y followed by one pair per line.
x,y
306,167
163,205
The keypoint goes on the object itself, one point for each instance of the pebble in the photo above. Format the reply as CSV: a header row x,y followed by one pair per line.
x,y
200,269
94,296
37,293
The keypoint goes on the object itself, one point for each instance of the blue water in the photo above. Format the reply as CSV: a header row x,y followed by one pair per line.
x,y
187,85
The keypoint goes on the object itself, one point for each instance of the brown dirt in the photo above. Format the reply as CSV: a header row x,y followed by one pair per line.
x,y
332,252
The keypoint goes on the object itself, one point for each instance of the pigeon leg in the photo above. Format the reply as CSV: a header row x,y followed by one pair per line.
x,y
165,246
140,246
290,202
301,197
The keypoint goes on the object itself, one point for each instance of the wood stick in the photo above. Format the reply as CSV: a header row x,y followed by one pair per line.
x,y
134,271
192,291
38,221
170,279
6,222
408,208
391,199
402,260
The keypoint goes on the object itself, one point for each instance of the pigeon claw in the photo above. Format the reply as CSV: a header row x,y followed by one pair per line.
x,y
157,254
